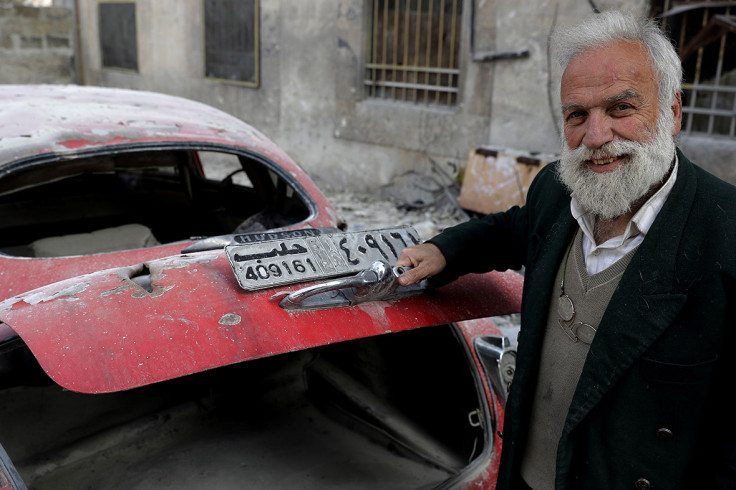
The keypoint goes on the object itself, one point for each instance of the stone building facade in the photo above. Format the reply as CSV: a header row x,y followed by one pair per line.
x,y
318,84
36,44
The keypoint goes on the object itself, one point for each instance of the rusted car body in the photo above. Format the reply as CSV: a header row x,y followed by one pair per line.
x,y
132,355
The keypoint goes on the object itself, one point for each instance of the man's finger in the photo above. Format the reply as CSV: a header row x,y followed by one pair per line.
x,y
404,261
410,277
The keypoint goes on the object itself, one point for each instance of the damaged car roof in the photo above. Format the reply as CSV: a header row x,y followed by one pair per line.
x,y
64,119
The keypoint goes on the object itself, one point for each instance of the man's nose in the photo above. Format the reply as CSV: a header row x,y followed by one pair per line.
x,y
598,131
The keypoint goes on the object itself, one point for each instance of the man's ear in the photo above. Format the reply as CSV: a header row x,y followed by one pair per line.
x,y
677,112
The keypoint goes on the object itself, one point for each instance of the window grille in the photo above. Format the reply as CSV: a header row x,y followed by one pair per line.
x,y
118,37
705,33
231,40
413,51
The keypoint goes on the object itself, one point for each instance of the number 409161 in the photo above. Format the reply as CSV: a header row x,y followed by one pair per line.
x,y
292,267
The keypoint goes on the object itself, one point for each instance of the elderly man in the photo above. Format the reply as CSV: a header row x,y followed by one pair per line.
x,y
626,349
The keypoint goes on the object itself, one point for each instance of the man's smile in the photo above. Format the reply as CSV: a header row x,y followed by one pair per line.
x,y
605,164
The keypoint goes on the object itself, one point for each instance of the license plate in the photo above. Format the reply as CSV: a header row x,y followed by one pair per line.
x,y
277,262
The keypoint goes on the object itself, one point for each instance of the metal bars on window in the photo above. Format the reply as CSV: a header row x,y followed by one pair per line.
x,y
705,33
231,38
118,38
413,51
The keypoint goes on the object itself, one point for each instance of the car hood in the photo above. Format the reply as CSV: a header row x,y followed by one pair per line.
x,y
127,327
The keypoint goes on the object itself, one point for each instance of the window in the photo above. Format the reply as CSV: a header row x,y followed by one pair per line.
x,y
413,51
223,166
706,39
118,41
231,40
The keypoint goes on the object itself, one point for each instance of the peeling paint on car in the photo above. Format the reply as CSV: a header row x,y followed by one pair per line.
x,y
34,298
86,142
180,261
229,319
119,289
157,291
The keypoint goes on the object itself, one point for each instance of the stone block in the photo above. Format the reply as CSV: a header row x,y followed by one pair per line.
x,y
53,41
6,40
36,67
31,42
29,12
56,13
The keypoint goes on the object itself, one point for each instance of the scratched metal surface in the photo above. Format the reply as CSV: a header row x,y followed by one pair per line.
x,y
105,332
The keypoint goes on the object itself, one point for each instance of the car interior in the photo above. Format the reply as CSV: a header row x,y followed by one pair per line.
x,y
395,411
127,200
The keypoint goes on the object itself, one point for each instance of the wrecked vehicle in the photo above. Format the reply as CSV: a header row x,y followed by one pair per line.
x,y
181,307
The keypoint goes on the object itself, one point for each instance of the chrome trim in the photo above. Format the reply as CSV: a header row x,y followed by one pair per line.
x,y
378,282
499,362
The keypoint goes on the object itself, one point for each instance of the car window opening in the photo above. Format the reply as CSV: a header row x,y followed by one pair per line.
x,y
136,200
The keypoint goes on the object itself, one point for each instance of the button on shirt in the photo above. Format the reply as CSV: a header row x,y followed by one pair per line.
x,y
600,257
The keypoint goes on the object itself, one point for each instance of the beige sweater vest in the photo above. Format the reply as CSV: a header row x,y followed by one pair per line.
x,y
562,360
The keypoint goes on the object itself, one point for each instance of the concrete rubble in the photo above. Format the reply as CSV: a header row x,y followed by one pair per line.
x,y
428,201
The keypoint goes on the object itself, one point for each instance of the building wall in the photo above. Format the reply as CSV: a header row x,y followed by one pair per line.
x,y
310,99
36,44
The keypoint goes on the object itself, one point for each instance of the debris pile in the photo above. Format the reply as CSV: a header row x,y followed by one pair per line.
x,y
428,202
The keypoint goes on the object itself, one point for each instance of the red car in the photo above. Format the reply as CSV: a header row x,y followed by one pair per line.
x,y
182,308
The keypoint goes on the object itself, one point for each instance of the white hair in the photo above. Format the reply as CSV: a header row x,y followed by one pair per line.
x,y
605,28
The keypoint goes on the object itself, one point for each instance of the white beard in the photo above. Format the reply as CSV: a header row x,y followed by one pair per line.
x,y
611,194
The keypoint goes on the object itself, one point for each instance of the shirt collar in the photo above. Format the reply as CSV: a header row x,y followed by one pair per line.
x,y
639,223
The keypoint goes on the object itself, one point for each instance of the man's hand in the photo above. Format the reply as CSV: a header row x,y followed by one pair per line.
x,y
426,260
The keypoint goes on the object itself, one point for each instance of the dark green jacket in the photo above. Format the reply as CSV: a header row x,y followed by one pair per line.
x,y
655,403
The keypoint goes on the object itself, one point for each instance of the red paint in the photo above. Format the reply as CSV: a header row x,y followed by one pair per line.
x,y
101,333
76,144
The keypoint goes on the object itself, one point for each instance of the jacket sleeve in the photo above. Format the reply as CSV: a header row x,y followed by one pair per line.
x,y
494,242
498,241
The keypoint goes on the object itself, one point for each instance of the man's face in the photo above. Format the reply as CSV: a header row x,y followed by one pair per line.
x,y
618,143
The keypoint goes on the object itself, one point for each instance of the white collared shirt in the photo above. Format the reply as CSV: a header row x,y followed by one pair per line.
x,y
600,257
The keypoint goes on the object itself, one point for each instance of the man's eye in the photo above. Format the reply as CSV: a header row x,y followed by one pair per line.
x,y
575,115
623,107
